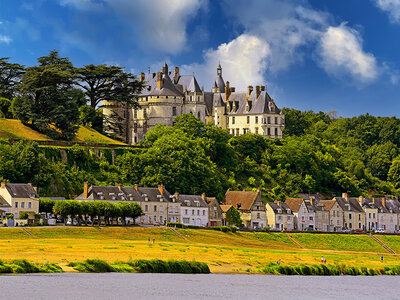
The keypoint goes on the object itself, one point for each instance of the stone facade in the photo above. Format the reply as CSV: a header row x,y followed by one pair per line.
x,y
167,95
22,197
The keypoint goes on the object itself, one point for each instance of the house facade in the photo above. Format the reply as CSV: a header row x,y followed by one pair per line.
x,y
215,212
353,214
336,214
250,206
280,216
21,197
194,210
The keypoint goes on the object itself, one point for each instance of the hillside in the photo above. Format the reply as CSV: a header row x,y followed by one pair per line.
x,y
224,252
14,129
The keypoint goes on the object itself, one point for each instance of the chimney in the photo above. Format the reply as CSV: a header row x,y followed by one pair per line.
x,y
383,201
85,189
227,91
119,186
142,76
136,187
176,195
203,196
161,189
232,89
176,75
345,195
257,91
262,88
3,184
35,189
360,200
249,90
312,200
159,80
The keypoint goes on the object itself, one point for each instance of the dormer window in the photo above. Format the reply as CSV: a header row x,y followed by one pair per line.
x,y
279,211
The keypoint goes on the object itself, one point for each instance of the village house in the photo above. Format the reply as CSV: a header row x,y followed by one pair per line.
x,y
194,210
279,216
371,213
336,217
215,211
393,205
321,218
303,211
22,197
353,214
250,206
387,216
5,208
224,209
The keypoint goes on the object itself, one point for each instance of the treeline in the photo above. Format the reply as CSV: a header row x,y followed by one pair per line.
x,y
54,97
100,210
317,154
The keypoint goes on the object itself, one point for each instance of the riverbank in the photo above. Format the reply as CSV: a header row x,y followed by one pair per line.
x,y
240,252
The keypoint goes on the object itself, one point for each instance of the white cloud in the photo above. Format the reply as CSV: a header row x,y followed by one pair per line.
x,y
244,61
341,53
392,7
160,25
5,39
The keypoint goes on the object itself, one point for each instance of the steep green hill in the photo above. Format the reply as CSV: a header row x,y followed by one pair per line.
x,y
14,129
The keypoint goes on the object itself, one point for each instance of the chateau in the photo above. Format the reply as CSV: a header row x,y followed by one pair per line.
x,y
167,95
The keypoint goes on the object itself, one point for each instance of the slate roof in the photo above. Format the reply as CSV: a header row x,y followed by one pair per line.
x,y
284,208
393,205
351,204
245,199
21,190
192,201
317,196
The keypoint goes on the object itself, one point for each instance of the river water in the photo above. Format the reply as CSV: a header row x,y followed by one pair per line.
x,y
177,286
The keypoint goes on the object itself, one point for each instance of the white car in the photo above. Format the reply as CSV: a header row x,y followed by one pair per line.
x,y
379,230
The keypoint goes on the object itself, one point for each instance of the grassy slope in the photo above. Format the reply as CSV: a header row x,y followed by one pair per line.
x,y
224,252
14,129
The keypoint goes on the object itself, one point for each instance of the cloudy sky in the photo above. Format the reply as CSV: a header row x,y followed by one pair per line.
x,y
324,55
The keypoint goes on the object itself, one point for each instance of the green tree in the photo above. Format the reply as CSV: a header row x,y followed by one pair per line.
x,y
394,172
5,108
10,77
233,217
49,98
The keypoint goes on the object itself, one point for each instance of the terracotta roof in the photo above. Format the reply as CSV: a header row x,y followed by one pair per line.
x,y
294,203
244,198
225,208
327,203
210,200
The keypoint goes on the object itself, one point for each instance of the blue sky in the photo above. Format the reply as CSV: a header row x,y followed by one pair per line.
x,y
324,55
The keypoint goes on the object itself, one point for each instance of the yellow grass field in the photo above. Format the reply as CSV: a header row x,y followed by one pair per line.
x,y
224,252
14,129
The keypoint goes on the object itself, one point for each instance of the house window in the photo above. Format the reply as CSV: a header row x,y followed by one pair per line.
x,y
160,219
22,204
204,212
155,219
276,131
198,212
135,127
373,215
258,215
359,217
276,120
146,208
311,218
186,212
369,215
256,130
237,131
170,209
29,204
233,120
176,209
248,119
185,220
198,115
155,207
349,216
269,120
135,113
173,111
16,204
192,212
289,218
269,131
161,208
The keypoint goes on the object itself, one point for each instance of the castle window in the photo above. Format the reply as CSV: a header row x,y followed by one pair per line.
x,y
276,131
191,98
145,113
276,120
256,120
233,120
256,130
134,127
174,111
166,97
269,131
248,119
269,120
135,113
198,114
237,131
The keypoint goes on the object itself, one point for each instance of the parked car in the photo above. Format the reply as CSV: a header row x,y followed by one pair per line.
x,y
346,230
379,230
358,230
309,229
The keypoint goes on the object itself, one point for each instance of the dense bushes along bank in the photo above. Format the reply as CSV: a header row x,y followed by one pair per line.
x,y
328,270
23,266
142,266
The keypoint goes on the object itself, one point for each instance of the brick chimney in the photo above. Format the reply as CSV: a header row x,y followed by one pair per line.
x,y
3,184
85,189
176,75
119,186
203,196
360,200
142,76
159,80
345,195
136,187
257,91
262,88
227,91
35,189
383,201
232,89
176,195
249,90
161,189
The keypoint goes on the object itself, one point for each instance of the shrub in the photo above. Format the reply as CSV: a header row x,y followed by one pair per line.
x,y
23,215
266,229
175,224
224,228
170,266
233,229
193,227
92,266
